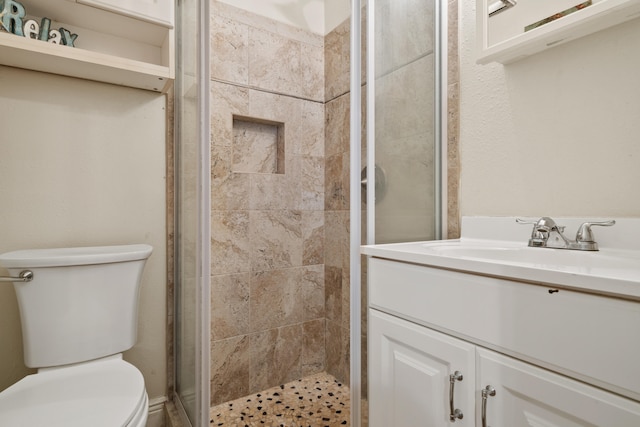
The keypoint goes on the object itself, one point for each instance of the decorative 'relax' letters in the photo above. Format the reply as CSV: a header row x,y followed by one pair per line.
x,y
12,14
12,17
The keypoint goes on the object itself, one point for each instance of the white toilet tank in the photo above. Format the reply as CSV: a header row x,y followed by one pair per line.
x,y
82,303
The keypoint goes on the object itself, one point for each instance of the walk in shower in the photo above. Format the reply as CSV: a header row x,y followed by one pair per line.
x,y
269,205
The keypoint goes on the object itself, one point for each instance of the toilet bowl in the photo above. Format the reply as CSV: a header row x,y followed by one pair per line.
x,y
78,312
108,392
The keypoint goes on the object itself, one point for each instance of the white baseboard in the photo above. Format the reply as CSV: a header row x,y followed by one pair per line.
x,y
156,412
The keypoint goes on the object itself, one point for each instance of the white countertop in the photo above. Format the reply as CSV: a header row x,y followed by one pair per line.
x,y
613,270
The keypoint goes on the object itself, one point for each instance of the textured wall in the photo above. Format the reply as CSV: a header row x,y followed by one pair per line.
x,y
555,133
267,248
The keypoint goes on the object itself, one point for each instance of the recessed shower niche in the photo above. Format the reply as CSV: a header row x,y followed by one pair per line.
x,y
258,146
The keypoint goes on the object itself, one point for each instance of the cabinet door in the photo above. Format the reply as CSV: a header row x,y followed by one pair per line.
x,y
530,396
409,369
156,11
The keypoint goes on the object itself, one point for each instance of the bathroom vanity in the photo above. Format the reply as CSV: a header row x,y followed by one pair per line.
x,y
485,331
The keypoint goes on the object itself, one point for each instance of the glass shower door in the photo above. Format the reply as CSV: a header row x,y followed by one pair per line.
x,y
404,133
192,200
403,121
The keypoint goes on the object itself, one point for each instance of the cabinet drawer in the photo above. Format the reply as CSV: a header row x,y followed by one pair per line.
x,y
585,336
530,396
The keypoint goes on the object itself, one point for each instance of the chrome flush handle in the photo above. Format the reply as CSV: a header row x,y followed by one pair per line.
x,y
24,276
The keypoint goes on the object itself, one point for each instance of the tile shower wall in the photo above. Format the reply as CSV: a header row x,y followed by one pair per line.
x,y
267,219
337,115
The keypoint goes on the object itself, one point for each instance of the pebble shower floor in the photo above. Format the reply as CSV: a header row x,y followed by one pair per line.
x,y
314,401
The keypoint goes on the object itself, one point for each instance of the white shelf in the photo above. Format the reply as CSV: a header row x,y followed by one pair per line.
x,y
600,15
110,47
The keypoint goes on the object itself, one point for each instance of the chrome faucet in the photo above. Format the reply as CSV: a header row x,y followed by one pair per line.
x,y
547,234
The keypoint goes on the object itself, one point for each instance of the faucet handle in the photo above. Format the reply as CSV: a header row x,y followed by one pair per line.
x,y
525,221
586,235
538,236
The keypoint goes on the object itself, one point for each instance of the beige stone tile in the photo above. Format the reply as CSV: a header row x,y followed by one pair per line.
x,y
278,191
229,50
274,62
312,121
281,109
346,298
313,237
312,183
288,352
333,293
255,146
312,292
346,355
336,243
275,356
276,298
336,195
337,116
231,247
276,239
337,351
229,191
226,101
336,61
229,305
312,72
262,359
313,352
258,21
229,369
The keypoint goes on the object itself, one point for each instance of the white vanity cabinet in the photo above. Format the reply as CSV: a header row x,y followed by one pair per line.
x,y
410,369
526,395
554,357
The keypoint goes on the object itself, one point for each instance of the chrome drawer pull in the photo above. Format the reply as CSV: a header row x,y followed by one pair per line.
x,y
486,392
454,414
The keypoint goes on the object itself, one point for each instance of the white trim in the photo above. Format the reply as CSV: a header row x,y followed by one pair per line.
x,y
371,123
354,211
441,117
203,291
156,412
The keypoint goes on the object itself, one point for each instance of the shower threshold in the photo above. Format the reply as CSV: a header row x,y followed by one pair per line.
x,y
315,401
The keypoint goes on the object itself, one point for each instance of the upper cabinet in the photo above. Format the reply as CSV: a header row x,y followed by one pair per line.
x,y
509,30
122,42
155,11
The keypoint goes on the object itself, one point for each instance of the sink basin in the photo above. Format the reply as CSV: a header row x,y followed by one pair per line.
x,y
606,261
497,247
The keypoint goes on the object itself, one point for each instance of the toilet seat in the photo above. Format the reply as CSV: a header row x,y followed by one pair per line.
x,y
107,392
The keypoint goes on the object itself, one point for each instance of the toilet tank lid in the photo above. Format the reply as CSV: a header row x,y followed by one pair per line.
x,y
59,257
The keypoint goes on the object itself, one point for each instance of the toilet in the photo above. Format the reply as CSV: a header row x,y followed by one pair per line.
x,y
78,313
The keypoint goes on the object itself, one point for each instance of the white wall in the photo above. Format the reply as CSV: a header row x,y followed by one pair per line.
x,y
557,133
83,163
318,16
